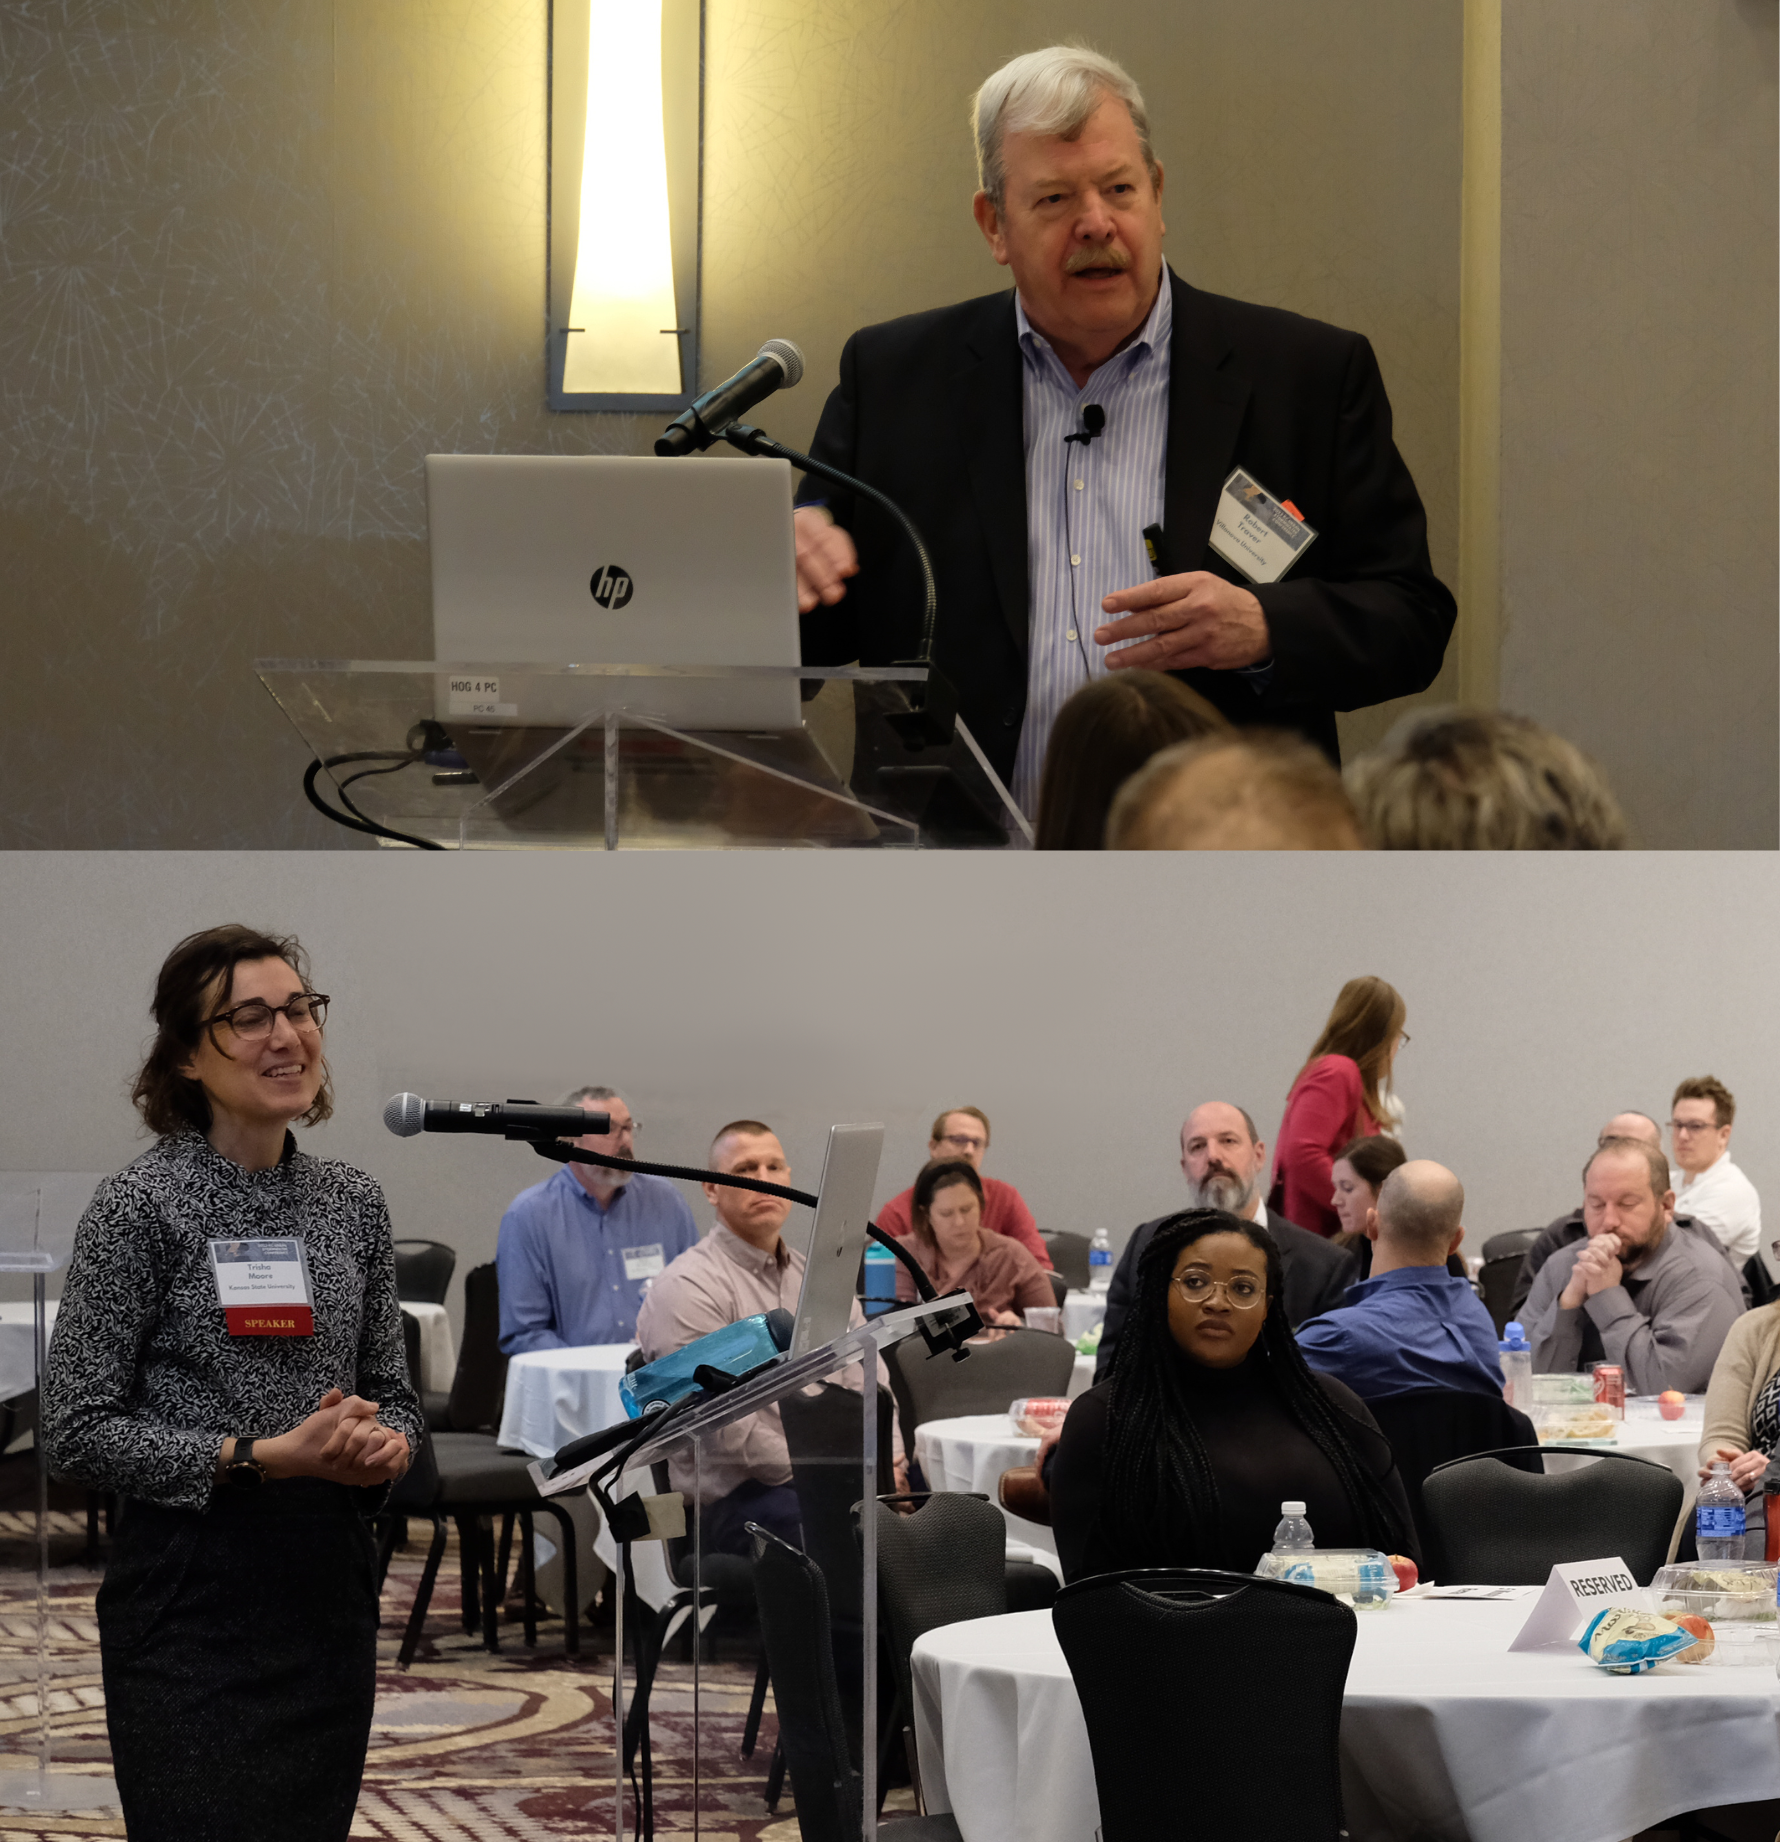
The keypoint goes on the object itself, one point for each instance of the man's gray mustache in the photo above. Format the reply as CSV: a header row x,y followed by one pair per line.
x,y
1109,258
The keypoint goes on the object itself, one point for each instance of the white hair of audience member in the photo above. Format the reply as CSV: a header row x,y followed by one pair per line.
x,y
1053,91
576,1095
1451,779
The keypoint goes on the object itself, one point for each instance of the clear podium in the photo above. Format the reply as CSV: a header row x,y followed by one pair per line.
x,y
815,1597
38,1214
479,755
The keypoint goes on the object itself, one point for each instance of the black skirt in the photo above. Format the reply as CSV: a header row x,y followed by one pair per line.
x,y
239,1648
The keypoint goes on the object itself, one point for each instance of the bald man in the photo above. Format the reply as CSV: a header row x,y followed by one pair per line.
x,y
1568,1229
1412,1324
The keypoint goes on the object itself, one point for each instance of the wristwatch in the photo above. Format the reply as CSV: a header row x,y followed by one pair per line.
x,y
244,1471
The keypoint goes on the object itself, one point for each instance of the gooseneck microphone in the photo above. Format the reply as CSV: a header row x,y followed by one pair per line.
x,y
1093,421
778,366
407,1114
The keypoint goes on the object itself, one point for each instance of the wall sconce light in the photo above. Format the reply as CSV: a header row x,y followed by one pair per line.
x,y
626,119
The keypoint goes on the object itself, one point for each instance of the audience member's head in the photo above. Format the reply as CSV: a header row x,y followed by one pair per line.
x,y
1102,736
1418,1219
1700,1119
946,1210
961,1133
1480,780
1250,790
1359,1173
1221,1157
746,1148
1632,1125
1625,1192
619,1142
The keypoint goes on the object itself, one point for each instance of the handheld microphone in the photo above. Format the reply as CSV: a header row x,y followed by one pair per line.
x,y
778,366
407,1114
1093,421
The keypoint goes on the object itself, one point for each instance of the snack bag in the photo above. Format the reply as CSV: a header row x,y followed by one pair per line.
x,y
1628,1643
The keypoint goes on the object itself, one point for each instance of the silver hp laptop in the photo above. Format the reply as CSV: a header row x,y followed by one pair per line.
x,y
837,1237
597,560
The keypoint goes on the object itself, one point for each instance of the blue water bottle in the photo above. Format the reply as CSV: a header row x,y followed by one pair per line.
x,y
880,1280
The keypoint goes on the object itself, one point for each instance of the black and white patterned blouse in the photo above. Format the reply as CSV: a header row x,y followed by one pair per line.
x,y
144,1381
1764,1418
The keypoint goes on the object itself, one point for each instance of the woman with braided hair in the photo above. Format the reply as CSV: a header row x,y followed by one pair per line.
x,y
1211,1420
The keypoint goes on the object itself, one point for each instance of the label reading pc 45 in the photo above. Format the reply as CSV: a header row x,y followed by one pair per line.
x,y
263,1287
477,697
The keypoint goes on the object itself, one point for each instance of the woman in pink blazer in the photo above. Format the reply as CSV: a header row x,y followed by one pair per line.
x,y
1335,1098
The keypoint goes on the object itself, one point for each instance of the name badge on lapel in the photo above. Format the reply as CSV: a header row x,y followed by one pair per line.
x,y
643,1262
1257,533
263,1287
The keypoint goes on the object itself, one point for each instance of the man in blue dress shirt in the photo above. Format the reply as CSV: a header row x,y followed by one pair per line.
x,y
1412,1324
577,1251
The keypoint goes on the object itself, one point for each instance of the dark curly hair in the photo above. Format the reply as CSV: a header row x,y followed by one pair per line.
x,y
194,979
1161,1502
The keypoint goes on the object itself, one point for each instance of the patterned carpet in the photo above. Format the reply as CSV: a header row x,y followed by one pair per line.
x,y
465,1744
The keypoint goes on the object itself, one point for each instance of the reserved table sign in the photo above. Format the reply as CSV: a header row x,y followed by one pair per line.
x,y
1575,1591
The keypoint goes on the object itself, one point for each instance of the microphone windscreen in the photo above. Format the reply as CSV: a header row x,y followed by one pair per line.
x,y
789,357
404,1114
779,1326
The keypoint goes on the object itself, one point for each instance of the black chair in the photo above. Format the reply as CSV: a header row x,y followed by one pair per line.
x,y
1761,1289
479,1383
994,1374
1243,1670
1059,1288
942,1558
1427,1427
814,1733
1514,1241
1069,1255
423,1271
1496,1525
1495,1280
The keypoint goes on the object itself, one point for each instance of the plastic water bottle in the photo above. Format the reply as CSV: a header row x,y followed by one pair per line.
x,y
1100,1261
1718,1517
880,1280
1293,1535
1517,1367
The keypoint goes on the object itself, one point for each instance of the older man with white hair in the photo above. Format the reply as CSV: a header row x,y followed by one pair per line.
x,y
1112,468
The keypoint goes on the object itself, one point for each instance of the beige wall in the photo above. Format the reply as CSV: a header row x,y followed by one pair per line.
x,y
1639,482
260,258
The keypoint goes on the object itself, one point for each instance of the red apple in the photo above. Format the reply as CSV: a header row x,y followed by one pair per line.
x,y
1671,1404
1405,1570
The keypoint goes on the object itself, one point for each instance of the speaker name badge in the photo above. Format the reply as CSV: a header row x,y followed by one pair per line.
x,y
1261,535
263,1287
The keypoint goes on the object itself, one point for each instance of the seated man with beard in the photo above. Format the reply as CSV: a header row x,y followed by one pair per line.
x,y
1223,1159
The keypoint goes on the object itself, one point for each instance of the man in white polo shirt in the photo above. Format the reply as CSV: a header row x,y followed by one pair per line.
x,y
1707,1185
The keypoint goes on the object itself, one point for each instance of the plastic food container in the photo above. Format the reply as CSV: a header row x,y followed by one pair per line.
x,y
1563,1408
1038,1414
1360,1577
1736,1598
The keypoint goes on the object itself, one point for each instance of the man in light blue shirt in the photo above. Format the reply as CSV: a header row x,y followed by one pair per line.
x,y
1412,1324
577,1251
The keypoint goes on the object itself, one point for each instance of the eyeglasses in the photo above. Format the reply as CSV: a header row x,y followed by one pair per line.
x,y
1678,1126
253,1020
969,1141
1402,1039
1243,1293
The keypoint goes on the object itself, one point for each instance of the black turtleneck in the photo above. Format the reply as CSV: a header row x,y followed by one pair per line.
x,y
1259,1454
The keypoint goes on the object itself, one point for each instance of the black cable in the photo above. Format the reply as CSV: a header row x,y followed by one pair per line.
x,y
358,821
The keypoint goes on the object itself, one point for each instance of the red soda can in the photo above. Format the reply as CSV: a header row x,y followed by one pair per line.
x,y
1610,1387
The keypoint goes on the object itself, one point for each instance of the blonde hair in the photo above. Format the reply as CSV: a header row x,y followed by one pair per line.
x,y
1053,91
1256,789
1481,780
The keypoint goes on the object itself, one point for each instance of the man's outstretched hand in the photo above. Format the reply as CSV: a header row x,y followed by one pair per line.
x,y
1181,622
825,559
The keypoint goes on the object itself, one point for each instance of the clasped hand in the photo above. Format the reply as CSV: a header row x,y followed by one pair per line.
x,y
342,1440
1181,622
1597,1267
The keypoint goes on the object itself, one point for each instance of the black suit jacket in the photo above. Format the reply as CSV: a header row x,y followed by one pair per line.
x,y
930,410
1317,1274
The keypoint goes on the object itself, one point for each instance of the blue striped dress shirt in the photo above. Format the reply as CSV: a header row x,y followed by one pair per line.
x,y
1086,508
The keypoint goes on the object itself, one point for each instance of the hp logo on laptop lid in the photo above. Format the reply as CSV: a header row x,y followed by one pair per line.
x,y
611,586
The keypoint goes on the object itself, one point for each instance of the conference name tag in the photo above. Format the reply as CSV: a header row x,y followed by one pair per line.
x,y
1257,533
643,1262
263,1287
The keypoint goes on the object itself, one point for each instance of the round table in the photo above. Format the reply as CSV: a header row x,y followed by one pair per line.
x,y
1644,1433
554,1396
438,1351
1444,1734
970,1453
1081,1312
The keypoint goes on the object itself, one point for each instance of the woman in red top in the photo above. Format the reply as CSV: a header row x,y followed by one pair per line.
x,y
1335,1098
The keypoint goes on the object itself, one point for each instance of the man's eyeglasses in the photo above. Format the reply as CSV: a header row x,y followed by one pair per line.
x,y
1679,1126
1242,1293
253,1020
966,1141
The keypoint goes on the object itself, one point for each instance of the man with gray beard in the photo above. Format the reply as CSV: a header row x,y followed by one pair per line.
x,y
1223,1159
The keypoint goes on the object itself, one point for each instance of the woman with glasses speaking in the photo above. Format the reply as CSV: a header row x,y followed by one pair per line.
x,y
228,1358
1211,1420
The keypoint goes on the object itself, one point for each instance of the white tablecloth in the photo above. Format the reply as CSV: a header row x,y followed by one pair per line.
x,y
1444,1735
970,1453
1082,1379
1081,1312
1644,1433
554,1396
438,1349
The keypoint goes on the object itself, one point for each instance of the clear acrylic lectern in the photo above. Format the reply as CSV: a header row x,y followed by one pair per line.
x,y
821,1642
38,1214
618,756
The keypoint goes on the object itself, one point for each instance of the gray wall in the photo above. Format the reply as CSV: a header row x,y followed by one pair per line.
x,y
1639,485
1084,1015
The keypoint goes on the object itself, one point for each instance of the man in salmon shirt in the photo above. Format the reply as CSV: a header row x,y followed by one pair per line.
x,y
964,1133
